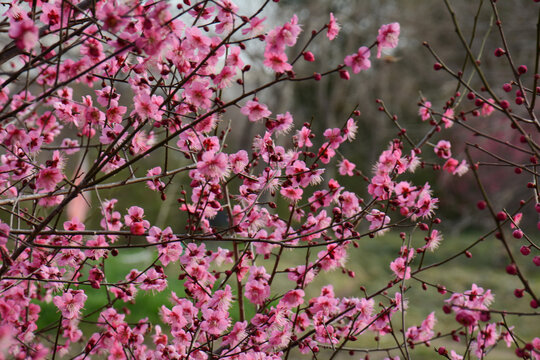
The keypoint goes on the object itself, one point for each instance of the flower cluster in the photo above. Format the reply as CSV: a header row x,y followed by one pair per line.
x,y
119,93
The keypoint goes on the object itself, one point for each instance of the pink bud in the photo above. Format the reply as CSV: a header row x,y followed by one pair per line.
x,y
525,250
344,74
522,69
511,269
137,228
499,52
308,56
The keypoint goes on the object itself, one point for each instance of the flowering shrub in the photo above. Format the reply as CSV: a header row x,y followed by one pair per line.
x,y
108,94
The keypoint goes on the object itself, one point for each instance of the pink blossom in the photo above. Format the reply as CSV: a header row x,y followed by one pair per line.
x,y
388,37
277,62
424,332
98,241
156,183
454,167
424,111
255,110
334,137
93,116
137,228
303,137
214,165
293,298
239,161
134,220
156,235
169,252
73,225
177,317
199,94
215,321
4,233
359,61
147,106
442,149
333,28
48,178
95,276
485,339
301,275
221,300
378,221
349,203
153,279
280,37
536,347
114,114
196,40
256,26
236,335
205,13
111,14
281,124
326,153
487,109
365,309
509,341
234,59
70,303
51,16
433,240
425,203
448,118
93,50
292,194
406,193
466,317
225,78
25,33
107,96
346,167
325,304
381,187
350,129
257,292
517,220
334,256
400,268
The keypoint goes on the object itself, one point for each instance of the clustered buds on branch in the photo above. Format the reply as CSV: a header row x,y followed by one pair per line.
x,y
108,94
